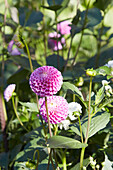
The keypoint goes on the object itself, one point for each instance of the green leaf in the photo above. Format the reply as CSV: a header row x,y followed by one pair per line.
x,y
10,68
102,4
52,61
44,164
20,166
98,122
85,3
24,62
76,18
15,151
64,142
19,76
94,17
4,160
28,153
54,2
1,19
104,103
28,17
73,89
103,70
99,96
53,7
77,166
105,55
32,106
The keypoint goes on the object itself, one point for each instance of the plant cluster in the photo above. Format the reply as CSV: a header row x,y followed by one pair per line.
x,y
56,85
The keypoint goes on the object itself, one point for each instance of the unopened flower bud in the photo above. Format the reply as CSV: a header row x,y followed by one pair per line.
x,y
18,41
91,72
103,164
97,166
84,168
79,81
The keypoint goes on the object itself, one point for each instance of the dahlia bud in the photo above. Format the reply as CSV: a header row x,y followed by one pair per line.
x,y
18,41
91,72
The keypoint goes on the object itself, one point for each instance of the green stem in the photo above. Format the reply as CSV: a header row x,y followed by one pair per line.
x,y
29,57
89,106
84,24
51,161
64,160
82,158
99,45
31,67
17,114
37,158
68,55
80,128
44,33
48,117
88,126
74,97
58,62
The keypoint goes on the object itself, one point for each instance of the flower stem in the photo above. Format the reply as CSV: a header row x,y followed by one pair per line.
x,y
44,32
89,115
58,61
82,33
31,66
48,117
17,114
88,126
82,158
80,129
64,159
29,57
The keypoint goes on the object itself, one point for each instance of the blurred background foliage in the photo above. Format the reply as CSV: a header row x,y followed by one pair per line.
x,y
90,45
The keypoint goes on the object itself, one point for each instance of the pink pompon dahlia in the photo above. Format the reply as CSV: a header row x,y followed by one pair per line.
x,y
52,41
64,28
46,81
57,109
9,91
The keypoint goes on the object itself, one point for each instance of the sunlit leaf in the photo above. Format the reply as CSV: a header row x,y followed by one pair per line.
x,y
99,96
98,122
31,106
65,142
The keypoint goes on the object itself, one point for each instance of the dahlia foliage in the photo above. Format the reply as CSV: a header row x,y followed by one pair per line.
x,y
56,85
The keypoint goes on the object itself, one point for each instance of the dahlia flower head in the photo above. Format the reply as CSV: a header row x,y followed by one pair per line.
x,y
64,28
11,50
9,91
57,109
46,81
52,42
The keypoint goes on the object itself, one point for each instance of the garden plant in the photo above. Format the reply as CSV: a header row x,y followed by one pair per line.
x,y
56,85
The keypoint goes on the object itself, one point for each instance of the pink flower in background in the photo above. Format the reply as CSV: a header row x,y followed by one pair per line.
x,y
64,28
46,81
9,91
52,41
57,109
12,51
